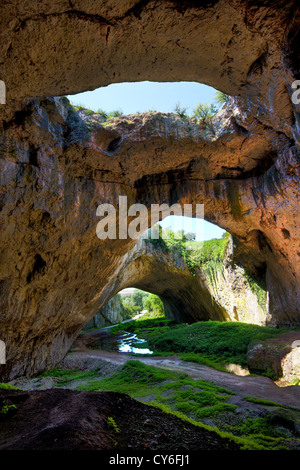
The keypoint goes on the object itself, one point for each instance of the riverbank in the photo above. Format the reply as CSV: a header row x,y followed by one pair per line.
x,y
248,407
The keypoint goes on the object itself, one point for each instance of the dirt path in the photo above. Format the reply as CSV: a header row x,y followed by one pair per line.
x,y
260,387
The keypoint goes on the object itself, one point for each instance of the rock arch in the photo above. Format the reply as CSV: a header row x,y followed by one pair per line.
x,y
55,169
218,293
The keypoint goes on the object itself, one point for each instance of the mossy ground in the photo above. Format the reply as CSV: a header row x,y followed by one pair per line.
x,y
211,343
195,400
248,421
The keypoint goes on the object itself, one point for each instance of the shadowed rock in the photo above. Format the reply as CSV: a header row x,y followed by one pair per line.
x,y
58,166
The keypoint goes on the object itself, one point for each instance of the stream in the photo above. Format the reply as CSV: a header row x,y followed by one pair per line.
x,y
122,343
130,343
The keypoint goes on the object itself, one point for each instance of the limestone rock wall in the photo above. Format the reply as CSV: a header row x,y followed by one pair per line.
x,y
110,314
218,292
58,166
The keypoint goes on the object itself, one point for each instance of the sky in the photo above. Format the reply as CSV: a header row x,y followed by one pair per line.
x,y
130,98
144,96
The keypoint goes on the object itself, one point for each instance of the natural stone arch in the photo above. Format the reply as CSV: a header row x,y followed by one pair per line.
x,y
55,49
222,293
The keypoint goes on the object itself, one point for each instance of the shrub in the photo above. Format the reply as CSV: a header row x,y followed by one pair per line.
x,y
180,111
115,113
102,113
205,113
221,98
6,386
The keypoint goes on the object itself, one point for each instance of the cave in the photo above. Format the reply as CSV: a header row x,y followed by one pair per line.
x,y
55,273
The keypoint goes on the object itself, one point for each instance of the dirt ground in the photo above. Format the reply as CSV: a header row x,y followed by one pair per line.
x,y
258,386
48,418
70,420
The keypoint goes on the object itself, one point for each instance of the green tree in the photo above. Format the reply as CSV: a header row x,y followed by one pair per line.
x,y
180,111
154,304
205,113
221,98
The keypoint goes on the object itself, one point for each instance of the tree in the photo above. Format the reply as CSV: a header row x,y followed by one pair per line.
x,y
205,113
221,98
180,111
137,299
154,304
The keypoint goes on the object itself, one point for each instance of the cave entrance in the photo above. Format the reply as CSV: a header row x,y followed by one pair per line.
x,y
144,97
159,278
138,303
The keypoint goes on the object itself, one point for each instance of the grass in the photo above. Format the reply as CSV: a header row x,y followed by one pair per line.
x,y
6,408
190,400
261,401
66,376
210,343
6,386
197,397
112,424
218,342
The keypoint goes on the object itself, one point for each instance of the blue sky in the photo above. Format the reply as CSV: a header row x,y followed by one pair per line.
x,y
144,96
203,229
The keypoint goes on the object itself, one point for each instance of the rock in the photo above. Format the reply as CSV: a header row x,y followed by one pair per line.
x,y
73,420
110,314
217,292
286,417
278,355
58,165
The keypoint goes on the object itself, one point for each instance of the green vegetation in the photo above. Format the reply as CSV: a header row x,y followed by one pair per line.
x,y
102,113
260,401
6,408
6,386
154,304
261,431
66,376
206,254
295,381
180,111
210,343
147,327
193,400
112,424
221,98
259,288
204,113
141,300
115,113
220,342
138,379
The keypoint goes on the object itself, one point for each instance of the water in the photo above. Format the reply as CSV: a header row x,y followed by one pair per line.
x,y
123,343
126,345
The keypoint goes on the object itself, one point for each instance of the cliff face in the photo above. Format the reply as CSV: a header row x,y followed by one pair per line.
x,y
58,166
220,291
110,314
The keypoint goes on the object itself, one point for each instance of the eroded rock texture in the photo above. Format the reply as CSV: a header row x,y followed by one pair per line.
x,y
213,292
110,314
58,167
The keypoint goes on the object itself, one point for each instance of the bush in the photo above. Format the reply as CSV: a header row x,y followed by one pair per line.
x,y
180,111
115,113
221,341
221,98
205,113
102,113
